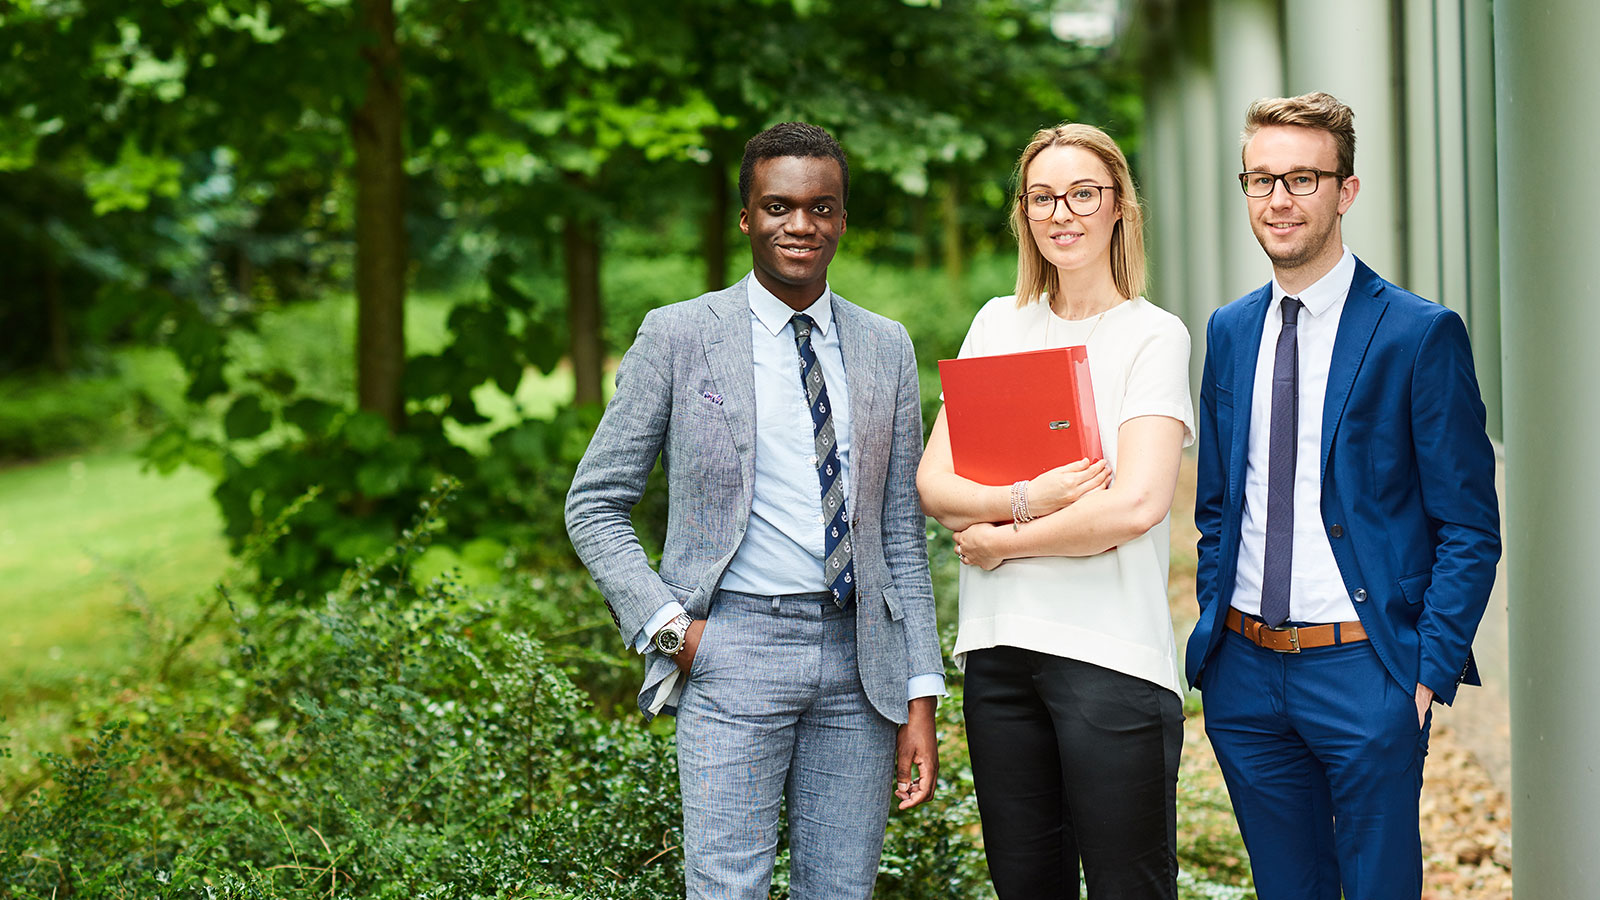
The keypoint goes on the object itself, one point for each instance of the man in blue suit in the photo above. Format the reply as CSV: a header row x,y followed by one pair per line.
x,y
1349,529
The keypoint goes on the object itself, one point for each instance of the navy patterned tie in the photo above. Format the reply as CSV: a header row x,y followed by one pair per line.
x,y
1282,446
836,565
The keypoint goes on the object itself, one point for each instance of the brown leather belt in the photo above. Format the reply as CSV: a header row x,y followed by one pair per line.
x,y
1294,638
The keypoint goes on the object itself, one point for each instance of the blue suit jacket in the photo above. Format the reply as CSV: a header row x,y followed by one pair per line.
x,y
1408,497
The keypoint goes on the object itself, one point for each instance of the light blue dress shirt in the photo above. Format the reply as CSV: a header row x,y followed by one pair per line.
x,y
783,551
783,548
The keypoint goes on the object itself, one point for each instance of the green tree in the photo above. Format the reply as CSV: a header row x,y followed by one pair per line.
x,y
507,138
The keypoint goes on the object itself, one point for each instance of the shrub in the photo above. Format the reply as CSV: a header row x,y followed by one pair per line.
x,y
396,741
404,740
43,416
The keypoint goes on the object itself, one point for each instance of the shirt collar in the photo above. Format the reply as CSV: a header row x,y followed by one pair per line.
x,y
1327,291
775,314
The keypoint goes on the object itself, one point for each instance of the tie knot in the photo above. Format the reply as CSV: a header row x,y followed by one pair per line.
x,y
1291,310
802,326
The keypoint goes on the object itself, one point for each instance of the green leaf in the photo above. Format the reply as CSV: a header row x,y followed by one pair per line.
x,y
382,477
429,376
167,450
366,431
132,180
361,544
276,381
246,418
314,417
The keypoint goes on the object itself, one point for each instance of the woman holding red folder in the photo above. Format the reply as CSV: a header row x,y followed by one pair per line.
x,y
1073,698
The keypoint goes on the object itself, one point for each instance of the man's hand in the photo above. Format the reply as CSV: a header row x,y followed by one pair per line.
x,y
691,643
916,747
1424,700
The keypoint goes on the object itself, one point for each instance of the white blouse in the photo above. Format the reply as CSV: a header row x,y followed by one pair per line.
x,y
1109,609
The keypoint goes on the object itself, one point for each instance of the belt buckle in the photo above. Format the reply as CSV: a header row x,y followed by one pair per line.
x,y
1293,631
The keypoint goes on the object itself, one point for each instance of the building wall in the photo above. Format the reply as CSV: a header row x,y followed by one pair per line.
x,y
1418,74
1476,149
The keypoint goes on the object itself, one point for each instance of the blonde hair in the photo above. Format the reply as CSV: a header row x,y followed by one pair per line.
x,y
1318,110
1036,277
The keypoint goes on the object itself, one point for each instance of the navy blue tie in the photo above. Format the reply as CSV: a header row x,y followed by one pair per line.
x,y
1282,445
836,565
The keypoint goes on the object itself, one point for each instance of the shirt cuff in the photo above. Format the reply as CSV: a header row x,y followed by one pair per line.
x,y
641,641
930,685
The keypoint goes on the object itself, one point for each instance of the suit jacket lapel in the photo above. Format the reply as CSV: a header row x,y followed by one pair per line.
x,y
1363,308
1246,351
859,346
730,358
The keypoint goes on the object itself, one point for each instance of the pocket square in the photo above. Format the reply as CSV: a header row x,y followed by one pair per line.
x,y
714,398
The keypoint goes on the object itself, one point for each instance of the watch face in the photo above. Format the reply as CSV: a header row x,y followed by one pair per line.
x,y
668,641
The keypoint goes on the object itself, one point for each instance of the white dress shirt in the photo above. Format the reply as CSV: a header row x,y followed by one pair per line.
x,y
783,548
1316,590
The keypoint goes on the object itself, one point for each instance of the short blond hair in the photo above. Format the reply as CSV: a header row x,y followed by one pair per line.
x,y
1036,277
1318,110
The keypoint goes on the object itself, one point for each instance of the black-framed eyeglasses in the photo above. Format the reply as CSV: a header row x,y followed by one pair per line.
x,y
1081,200
1299,182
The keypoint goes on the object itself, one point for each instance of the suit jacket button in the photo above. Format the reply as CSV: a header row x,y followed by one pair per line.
x,y
1336,530
1361,595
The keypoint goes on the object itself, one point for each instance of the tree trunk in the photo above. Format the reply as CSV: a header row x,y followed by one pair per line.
x,y
922,242
581,255
244,272
376,130
955,248
55,305
715,234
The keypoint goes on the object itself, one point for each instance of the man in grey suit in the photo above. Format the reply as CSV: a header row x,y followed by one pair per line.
x,y
791,624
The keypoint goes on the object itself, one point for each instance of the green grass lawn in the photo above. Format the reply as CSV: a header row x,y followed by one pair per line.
x,y
88,544
92,545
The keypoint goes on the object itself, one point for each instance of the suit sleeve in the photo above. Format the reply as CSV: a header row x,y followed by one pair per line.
x,y
611,478
1211,479
905,545
1455,464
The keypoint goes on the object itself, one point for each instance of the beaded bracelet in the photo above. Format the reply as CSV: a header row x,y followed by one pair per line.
x,y
1019,505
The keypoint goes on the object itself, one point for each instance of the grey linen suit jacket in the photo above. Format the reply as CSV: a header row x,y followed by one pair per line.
x,y
686,393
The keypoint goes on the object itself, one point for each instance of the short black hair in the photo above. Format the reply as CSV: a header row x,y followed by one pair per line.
x,y
790,139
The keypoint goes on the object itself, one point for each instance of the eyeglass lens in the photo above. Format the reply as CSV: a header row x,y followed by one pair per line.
x,y
1299,182
1083,200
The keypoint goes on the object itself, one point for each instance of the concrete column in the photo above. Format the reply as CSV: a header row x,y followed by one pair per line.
x,y
1547,73
1348,49
1249,67
1419,64
1450,100
1483,208
1161,186
1203,178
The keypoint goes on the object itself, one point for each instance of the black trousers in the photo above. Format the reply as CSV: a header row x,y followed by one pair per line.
x,y
1073,762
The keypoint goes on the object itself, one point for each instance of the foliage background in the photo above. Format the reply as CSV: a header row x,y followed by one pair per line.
x,y
357,268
